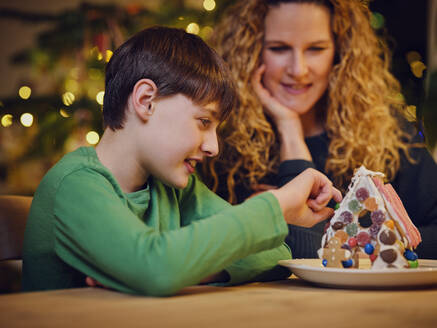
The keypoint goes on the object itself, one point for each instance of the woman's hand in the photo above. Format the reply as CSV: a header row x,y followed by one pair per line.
x,y
288,122
272,107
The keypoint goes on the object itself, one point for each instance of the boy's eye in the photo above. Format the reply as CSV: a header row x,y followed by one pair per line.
x,y
205,122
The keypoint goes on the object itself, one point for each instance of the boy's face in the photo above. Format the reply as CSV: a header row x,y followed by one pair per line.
x,y
178,135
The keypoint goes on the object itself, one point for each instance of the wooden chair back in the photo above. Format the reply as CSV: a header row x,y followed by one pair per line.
x,y
13,216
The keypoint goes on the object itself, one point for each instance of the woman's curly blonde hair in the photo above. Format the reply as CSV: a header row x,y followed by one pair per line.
x,y
362,100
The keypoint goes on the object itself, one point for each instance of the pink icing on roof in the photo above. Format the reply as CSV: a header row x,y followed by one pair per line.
x,y
412,234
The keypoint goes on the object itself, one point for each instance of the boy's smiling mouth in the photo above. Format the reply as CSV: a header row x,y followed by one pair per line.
x,y
190,164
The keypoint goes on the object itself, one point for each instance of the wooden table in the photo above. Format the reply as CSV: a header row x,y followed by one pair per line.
x,y
290,303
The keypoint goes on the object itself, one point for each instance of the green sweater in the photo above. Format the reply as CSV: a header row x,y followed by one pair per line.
x,y
154,241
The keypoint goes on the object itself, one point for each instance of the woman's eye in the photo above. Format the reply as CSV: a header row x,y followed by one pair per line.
x,y
317,49
278,48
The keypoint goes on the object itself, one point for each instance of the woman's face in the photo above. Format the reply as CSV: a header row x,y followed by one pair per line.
x,y
298,54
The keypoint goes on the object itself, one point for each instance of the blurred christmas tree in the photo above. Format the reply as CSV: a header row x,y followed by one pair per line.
x,y
69,60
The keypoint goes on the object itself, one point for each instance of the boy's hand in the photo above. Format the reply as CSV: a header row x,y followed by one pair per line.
x,y
303,200
91,282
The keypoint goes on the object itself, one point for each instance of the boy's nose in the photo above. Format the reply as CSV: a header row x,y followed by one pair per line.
x,y
210,145
297,66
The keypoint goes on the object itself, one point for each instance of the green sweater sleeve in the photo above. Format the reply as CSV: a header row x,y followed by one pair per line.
x,y
199,202
97,234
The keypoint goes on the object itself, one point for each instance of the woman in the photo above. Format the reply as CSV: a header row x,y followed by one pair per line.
x,y
316,91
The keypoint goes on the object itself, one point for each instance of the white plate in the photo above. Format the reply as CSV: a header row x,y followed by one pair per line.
x,y
313,271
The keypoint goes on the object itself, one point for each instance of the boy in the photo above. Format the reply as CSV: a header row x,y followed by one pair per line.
x,y
131,214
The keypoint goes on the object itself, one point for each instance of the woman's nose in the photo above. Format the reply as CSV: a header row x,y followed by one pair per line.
x,y
297,66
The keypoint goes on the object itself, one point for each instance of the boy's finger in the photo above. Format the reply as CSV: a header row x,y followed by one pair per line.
x,y
336,194
323,214
314,205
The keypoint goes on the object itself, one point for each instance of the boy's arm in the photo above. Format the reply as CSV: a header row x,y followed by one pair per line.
x,y
97,234
197,202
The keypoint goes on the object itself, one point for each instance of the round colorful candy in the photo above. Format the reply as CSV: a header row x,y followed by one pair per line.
x,y
352,242
387,237
370,204
363,238
362,194
346,217
348,263
354,206
352,229
373,257
325,262
337,206
410,255
369,248
390,224
378,217
373,230
388,255
413,264
337,225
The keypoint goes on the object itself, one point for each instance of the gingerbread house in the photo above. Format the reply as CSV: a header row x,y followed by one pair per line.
x,y
370,220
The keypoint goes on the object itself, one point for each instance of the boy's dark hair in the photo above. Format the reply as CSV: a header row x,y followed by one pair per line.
x,y
178,62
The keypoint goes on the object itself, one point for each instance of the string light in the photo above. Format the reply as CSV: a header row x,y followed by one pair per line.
x,y
209,5
206,32
99,97
71,85
377,20
64,113
6,120
193,28
68,98
92,137
95,74
417,68
24,92
26,119
109,54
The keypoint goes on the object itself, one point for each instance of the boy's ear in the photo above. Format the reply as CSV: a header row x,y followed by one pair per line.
x,y
143,94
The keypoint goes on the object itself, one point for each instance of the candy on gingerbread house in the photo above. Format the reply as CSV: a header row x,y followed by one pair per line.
x,y
370,220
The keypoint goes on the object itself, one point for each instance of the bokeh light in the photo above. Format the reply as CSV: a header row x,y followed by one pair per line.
x,y
6,120
193,28
24,92
417,68
413,56
209,5
26,119
206,32
99,97
92,137
109,54
377,20
64,113
68,98
71,85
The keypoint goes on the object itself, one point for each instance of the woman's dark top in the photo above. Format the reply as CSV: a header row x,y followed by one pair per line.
x,y
415,183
